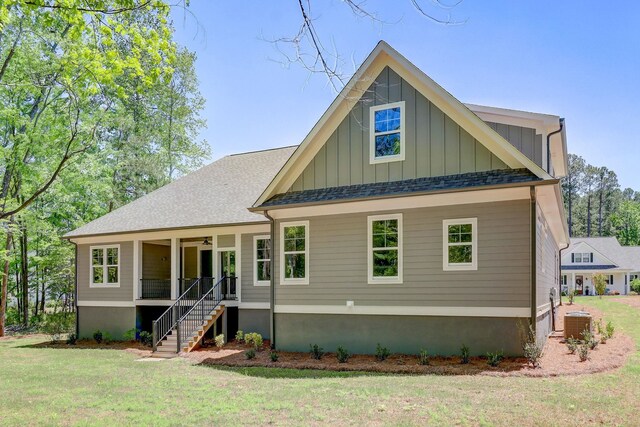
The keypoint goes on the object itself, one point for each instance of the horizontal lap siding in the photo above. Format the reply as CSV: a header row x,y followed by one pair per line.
x,y
122,293
338,261
251,293
547,256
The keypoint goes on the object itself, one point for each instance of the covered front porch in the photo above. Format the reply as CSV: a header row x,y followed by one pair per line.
x,y
169,267
581,281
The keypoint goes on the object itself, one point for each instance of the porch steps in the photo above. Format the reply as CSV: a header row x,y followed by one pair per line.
x,y
167,348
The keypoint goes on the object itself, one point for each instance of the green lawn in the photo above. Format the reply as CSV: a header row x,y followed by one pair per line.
x,y
106,387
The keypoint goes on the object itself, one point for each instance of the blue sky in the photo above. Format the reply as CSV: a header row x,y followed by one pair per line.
x,y
576,59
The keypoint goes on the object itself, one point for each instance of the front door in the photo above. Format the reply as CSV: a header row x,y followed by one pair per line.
x,y
228,270
579,284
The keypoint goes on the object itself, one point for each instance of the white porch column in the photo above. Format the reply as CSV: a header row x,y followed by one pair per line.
x,y
627,285
572,287
175,266
137,268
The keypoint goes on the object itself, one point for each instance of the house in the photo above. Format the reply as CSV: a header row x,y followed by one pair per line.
x,y
404,218
588,256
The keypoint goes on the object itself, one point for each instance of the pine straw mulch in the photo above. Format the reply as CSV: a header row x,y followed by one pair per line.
x,y
556,360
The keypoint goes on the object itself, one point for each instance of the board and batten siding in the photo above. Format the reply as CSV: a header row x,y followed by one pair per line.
x,y
251,293
435,145
338,261
524,139
122,293
547,268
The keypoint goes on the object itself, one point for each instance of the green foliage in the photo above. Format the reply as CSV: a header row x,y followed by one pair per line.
x,y
250,354
610,329
571,293
219,340
382,353
583,352
423,357
98,336
342,354
72,339
273,355
130,335
254,339
316,351
635,286
106,338
57,324
532,349
572,344
239,336
146,338
494,359
599,282
465,354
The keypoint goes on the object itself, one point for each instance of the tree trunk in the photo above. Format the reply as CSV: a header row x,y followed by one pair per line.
x,y
570,207
589,215
24,273
5,283
42,291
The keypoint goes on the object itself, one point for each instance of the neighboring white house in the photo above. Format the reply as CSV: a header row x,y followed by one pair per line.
x,y
588,256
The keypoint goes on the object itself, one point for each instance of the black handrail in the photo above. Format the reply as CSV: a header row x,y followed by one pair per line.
x,y
194,317
168,320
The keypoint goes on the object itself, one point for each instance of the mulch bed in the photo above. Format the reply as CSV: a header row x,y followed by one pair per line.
x,y
556,360
128,346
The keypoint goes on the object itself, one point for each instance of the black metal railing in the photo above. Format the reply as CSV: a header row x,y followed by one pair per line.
x,y
155,288
195,317
164,324
229,287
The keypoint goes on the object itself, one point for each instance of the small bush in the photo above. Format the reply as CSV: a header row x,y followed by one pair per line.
x,y
423,357
572,345
106,338
130,335
571,294
57,324
71,339
583,352
253,339
599,327
342,354
250,354
465,353
97,336
635,286
382,353
239,336
494,359
609,329
316,351
146,338
219,340
593,343
531,348
599,283
587,335
274,356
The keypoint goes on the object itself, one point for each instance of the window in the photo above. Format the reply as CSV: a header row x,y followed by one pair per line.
x,y
105,262
385,248
386,133
563,280
581,257
262,257
294,251
460,249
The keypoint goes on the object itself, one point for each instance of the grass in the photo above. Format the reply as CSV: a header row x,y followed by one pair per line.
x,y
46,386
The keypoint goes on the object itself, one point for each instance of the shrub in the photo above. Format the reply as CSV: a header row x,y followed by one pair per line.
x,y
583,352
587,335
599,327
97,336
609,329
219,340
599,283
531,348
130,335
316,351
593,343
572,345
423,357
106,337
494,359
254,339
382,353
239,336
342,354
571,293
464,354
250,354
57,324
274,356
146,338
71,339
635,286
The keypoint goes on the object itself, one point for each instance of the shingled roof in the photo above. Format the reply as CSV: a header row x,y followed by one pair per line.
x,y
398,188
217,194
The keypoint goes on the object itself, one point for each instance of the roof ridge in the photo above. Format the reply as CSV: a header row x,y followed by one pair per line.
x,y
261,151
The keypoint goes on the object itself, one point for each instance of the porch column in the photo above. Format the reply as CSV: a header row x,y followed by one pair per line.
x,y
175,266
137,268
573,282
627,283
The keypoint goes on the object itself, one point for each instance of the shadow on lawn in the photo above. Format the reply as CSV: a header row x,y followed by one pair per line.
x,y
289,373
87,345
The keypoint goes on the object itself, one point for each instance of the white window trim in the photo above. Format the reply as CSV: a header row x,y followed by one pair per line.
x,y
372,134
304,280
257,282
473,265
389,279
104,265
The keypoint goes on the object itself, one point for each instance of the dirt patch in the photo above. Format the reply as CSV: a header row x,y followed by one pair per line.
x,y
133,347
632,301
555,361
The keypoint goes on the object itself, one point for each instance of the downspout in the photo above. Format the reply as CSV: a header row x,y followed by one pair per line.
x,y
75,291
272,290
534,256
549,144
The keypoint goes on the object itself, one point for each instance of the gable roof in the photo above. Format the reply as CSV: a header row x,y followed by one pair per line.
x,y
217,194
624,257
382,56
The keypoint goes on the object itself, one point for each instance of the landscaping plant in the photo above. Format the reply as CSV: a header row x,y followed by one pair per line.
x,y
382,353
250,354
97,336
219,339
342,354
494,359
71,339
274,356
600,283
531,348
423,357
583,352
239,336
146,338
106,337
130,335
609,329
572,345
464,354
571,294
635,286
316,351
254,339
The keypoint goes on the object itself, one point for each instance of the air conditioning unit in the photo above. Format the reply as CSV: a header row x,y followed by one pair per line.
x,y
575,323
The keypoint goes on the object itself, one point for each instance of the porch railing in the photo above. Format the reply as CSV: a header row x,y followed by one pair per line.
x,y
155,288
195,316
229,287
167,321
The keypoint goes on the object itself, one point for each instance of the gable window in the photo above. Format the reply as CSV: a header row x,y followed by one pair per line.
x,y
385,248
105,266
294,251
386,133
460,249
262,260
582,257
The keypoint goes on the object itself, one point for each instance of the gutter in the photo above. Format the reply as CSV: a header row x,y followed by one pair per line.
x,y
549,144
560,272
534,265
272,290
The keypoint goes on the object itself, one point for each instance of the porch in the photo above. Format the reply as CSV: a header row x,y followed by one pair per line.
x,y
169,267
581,281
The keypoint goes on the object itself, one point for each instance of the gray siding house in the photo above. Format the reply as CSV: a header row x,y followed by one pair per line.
x,y
404,218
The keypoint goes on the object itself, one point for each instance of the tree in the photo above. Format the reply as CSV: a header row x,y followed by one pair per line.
x,y
599,283
626,222
572,185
